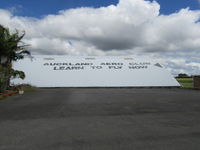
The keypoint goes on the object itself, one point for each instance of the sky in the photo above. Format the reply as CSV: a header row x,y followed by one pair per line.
x,y
168,31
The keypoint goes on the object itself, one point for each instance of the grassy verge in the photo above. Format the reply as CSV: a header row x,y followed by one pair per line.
x,y
23,87
7,93
186,82
26,88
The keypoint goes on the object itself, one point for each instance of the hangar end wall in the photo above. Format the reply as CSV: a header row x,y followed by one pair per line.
x,y
81,71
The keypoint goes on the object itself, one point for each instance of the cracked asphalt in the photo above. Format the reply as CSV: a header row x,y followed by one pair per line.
x,y
101,119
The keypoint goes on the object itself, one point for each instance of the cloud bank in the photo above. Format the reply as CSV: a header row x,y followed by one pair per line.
x,y
132,27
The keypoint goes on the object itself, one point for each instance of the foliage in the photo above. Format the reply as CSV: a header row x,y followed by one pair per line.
x,y
11,49
186,82
25,87
18,74
11,45
183,75
4,71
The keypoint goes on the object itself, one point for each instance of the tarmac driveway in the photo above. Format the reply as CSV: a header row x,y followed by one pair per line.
x,y
101,119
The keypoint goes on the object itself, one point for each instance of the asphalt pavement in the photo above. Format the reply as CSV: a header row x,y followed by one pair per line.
x,y
101,119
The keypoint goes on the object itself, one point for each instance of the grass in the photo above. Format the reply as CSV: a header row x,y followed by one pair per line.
x,y
7,93
26,88
186,82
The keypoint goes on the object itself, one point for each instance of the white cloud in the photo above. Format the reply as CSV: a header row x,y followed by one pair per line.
x,y
130,27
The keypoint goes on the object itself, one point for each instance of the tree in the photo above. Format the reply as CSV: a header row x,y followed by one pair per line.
x,y
11,49
182,75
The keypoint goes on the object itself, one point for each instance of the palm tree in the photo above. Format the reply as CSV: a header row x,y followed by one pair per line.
x,y
11,49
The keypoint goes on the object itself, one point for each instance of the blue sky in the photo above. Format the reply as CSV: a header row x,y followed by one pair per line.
x,y
40,8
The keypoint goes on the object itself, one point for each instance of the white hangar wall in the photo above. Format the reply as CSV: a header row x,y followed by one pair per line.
x,y
97,71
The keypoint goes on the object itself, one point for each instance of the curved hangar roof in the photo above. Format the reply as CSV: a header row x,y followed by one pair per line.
x,y
97,71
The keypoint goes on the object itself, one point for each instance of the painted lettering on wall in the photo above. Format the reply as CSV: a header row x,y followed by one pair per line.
x,y
97,66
